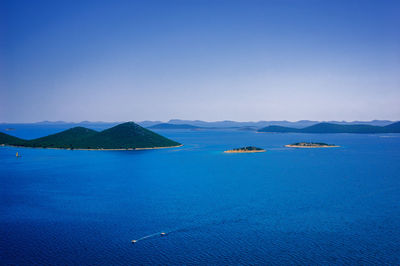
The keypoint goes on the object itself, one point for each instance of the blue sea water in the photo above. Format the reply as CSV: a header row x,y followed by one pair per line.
x,y
284,206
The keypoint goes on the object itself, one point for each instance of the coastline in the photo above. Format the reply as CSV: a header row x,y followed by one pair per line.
x,y
128,149
310,147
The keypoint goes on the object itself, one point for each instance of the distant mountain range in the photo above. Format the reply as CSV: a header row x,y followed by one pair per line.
x,y
335,128
260,124
124,136
173,126
193,124
279,126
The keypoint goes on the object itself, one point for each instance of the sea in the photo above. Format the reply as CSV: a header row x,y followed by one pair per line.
x,y
285,206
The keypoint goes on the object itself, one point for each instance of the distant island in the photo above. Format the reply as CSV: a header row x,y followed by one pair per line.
x,y
311,145
262,124
302,126
126,136
334,128
173,126
169,126
248,149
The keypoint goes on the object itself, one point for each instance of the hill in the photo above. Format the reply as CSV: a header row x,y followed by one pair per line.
x,y
127,136
70,138
124,136
278,129
10,140
336,128
173,126
393,128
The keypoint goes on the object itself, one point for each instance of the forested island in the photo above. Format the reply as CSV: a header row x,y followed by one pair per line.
x,y
311,145
334,128
248,149
126,136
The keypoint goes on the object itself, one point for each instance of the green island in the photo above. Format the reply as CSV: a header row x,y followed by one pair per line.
x,y
126,136
335,128
248,149
311,145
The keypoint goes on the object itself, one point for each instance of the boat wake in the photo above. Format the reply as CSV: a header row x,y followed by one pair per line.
x,y
149,236
190,228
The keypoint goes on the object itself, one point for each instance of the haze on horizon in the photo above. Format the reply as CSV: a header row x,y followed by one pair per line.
x,y
207,60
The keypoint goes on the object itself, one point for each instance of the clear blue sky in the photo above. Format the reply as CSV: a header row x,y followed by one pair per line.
x,y
209,60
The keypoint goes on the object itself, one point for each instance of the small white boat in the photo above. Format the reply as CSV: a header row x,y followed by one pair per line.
x,y
163,234
134,241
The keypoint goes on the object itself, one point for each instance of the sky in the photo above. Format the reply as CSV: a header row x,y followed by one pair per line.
x,y
196,59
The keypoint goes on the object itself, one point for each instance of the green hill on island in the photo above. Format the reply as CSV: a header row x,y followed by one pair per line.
x,y
124,136
70,138
335,128
129,135
10,140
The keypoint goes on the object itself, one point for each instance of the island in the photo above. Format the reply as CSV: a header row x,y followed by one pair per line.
x,y
126,136
249,149
321,128
174,126
311,145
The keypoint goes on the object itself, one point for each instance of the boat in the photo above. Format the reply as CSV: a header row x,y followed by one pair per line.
x,y
134,241
17,155
163,234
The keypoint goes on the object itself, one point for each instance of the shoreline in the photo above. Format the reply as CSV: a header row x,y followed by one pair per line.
x,y
127,149
310,147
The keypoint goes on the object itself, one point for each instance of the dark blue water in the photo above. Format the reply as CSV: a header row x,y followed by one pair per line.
x,y
284,206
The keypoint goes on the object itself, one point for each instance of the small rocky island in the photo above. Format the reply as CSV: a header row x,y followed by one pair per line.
x,y
248,149
311,145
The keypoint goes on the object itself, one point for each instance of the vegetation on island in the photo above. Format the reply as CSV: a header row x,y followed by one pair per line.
x,y
6,139
70,138
124,136
310,145
335,128
246,149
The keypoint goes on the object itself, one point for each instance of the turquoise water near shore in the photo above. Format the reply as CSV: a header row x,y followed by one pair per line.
x,y
284,206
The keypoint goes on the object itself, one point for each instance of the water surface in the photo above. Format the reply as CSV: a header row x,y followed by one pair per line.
x,y
284,206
